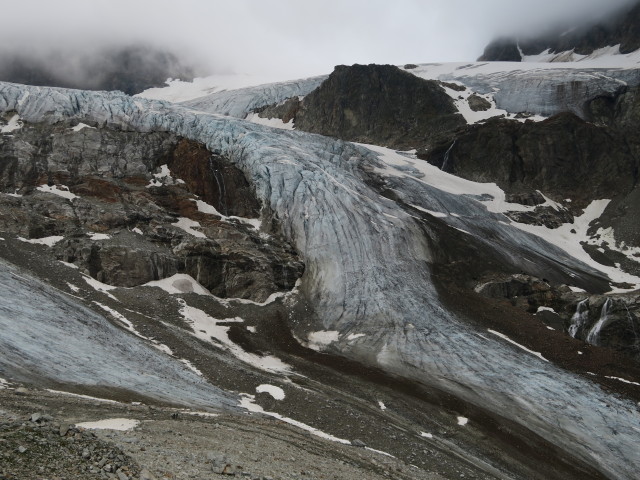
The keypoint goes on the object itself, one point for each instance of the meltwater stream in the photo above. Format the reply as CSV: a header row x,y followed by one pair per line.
x,y
367,270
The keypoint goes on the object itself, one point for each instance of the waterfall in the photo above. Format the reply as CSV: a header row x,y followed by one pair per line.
x,y
222,206
446,157
580,318
594,334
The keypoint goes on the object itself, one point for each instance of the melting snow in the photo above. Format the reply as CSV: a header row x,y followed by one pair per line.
x,y
501,335
14,124
248,402
98,236
353,336
204,207
188,225
100,287
86,397
623,380
545,309
206,328
179,283
59,190
122,424
80,126
275,392
48,241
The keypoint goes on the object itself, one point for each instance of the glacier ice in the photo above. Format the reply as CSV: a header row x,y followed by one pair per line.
x,y
367,268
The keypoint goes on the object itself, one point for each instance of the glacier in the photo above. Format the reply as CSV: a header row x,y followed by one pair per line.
x,y
368,258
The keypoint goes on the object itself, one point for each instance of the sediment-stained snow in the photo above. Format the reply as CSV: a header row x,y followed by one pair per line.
x,y
122,424
179,283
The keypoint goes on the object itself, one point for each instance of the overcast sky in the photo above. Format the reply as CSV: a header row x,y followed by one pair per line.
x,y
294,38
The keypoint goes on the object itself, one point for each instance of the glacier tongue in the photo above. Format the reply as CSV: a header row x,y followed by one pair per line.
x,y
367,270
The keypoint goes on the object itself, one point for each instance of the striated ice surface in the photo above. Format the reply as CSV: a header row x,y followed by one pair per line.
x,y
238,103
48,337
367,268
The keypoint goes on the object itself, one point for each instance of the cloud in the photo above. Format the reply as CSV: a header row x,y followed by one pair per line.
x,y
287,37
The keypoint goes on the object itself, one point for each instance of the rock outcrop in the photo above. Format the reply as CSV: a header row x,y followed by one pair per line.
x,y
137,207
379,104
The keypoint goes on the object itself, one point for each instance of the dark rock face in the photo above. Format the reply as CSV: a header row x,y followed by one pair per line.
x,y
379,104
563,156
129,69
622,28
214,179
605,321
123,226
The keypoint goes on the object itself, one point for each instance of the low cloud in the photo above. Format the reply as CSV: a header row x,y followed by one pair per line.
x,y
282,37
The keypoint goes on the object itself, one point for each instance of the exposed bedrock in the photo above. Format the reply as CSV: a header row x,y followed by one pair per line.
x,y
122,227
378,104
564,157
368,271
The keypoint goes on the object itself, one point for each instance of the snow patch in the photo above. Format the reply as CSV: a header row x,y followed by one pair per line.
x,y
59,190
426,435
623,380
353,336
206,328
48,241
70,265
504,337
248,402
4,383
276,392
163,177
545,309
204,207
80,126
137,230
319,340
179,283
382,405
122,424
72,287
270,122
14,124
462,421
85,397
100,287
188,226
98,236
